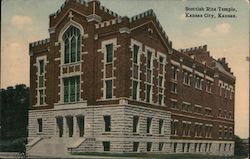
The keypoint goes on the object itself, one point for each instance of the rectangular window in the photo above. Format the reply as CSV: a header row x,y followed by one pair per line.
x,y
149,73
135,124
40,125
173,104
41,67
107,123
174,73
71,89
173,87
106,146
148,93
135,146
186,78
160,126
134,90
109,53
209,86
161,146
174,127
186,107
149,121
198,83
108,89
149,146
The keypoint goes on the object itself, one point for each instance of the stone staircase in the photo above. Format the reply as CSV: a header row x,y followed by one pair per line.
x,y
53,146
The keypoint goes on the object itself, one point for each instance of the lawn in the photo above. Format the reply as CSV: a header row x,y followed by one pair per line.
x,y
160,156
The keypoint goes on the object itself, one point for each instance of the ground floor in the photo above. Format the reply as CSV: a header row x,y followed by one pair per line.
x,y
118,128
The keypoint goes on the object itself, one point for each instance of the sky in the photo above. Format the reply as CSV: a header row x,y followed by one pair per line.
x,y
25,21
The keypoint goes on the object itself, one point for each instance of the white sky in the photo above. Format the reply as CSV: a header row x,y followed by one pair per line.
x,y
25,21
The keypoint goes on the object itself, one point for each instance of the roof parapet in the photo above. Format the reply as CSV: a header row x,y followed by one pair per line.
x,y
194,49
40,42
86,4
108,23
150,12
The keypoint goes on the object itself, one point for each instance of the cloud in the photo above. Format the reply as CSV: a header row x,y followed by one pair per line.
x,y
207,32
223,28
220,29
21,20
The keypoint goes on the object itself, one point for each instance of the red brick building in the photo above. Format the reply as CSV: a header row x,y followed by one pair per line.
x,y
103,82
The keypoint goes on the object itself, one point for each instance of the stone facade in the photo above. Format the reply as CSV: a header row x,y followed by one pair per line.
x,y
99,73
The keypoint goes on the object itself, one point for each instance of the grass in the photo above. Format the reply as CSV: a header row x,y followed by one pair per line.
x,y
159,156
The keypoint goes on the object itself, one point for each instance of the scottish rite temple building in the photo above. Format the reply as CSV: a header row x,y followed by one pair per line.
x,y
106,83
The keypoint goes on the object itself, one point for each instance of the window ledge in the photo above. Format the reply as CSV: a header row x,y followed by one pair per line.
x,y
149,134
106,133
173,92
161,135
136,133
42,105
189,85
71,64
40,133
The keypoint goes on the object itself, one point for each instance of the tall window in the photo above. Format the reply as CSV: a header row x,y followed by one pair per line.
x,y
106,146
174,72
107,123
109,53
173,87
209,86
149,122
136,71
72,44
174,127
187,78
173,104
135,146
40,125
135,124
149,76
109,89
71,89
41,82
198,83
161,126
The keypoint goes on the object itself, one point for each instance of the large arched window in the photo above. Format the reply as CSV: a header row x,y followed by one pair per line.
x,y
71,39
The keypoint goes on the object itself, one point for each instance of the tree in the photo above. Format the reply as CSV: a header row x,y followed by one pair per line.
x,y
14,104
240,148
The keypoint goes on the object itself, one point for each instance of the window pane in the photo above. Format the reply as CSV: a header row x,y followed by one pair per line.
x,y
106,146
73,49
77,88
78,48
134,90
41,81
149,55
41,97
148,75
108,89
72,89
66,50
160,126
148,93
66,90
41,66
109,51
135,54
160,99
160,81
135,71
